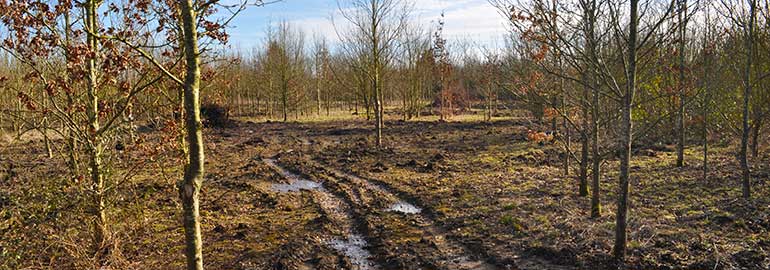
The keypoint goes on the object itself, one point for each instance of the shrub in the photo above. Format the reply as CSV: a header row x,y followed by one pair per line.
x,y
215,115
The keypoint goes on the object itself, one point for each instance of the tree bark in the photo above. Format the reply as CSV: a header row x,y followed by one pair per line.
x,y
706,104
596,208
583,189
189,187
376,72
681,113
94,145
590,10
755,132
619,249
743,155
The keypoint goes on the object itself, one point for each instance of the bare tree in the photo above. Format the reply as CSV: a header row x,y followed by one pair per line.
x,y
633,42
375,27
415,63
749,43
321,70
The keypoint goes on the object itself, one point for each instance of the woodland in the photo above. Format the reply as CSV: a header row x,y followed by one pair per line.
x,y
600,134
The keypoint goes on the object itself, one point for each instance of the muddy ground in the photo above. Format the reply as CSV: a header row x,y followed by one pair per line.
x,y
439,195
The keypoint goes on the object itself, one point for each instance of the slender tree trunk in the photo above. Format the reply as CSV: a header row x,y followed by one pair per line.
x,y
376,70
583,191
189,187
621,223
743,155
706,106
72,144
755,132
94,145
377,109
680,118
284,103
565,124
596,207
318,96
489,103
46,139
15,125
238,102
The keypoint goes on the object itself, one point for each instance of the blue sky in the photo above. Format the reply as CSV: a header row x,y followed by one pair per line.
x,y
474,20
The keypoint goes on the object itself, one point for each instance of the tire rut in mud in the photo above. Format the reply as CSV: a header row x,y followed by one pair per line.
x,y
340,233
473,246
401,236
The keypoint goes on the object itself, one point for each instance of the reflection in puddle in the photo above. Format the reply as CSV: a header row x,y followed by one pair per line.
x,y
404,207
296,186
355,249
296,183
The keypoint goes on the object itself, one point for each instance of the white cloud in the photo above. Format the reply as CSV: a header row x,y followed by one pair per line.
x,y
474,20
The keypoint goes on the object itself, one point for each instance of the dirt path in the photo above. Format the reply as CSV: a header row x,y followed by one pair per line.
x,y
399,235
459,256
451,254
345,238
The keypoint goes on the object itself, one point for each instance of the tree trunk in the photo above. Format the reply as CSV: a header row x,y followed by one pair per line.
x,y
680,116
755,132
565,124
46,139
583,188
619,250
72,145
376,71
596,208
743,155
94,146
284,107
705,138
377,108
189,187
318,94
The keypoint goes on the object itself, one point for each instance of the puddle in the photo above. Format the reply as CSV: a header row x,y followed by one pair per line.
x,y
400,206
297,186
355,249
404,207
296,183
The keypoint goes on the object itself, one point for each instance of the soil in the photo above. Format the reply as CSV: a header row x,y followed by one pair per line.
x,y
438,195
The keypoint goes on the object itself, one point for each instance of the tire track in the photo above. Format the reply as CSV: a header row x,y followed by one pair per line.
x,y
348,241
453,255
457,251
426,246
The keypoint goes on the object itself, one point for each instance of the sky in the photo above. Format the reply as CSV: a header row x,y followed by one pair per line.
x,y
470,20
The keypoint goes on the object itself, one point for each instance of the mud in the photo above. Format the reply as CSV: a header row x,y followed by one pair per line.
x,y
346,240
296,183
448,195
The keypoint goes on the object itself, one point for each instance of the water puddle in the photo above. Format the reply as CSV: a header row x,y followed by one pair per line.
x,y
296,186
404,207
354,246
355,249
399,206
296,183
